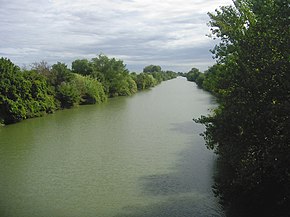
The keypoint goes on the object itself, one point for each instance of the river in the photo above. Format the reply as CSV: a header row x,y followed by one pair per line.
x,y
138,156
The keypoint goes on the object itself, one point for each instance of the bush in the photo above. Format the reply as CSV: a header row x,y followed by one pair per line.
x,y
91,90
22,94
68,94
145,81
123,86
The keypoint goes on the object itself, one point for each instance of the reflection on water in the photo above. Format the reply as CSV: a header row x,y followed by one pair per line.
x,y
185,191
132,156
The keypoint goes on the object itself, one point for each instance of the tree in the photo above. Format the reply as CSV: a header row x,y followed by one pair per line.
x,y
193,74
12,88
83,67
91,90
59,74
113,75
63,82
40,99
152,68
145,81
68,94
215,80
22,94
158,74
42,68
249,130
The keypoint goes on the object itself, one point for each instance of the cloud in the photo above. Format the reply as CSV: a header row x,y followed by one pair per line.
x,y
170,33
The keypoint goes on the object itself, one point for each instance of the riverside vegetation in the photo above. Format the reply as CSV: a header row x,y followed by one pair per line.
x,y
249,130
44,89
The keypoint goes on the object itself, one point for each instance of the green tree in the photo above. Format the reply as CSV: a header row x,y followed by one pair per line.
x,y
59,74
91,90
68,94
63,82
193,74
40,99
158,76
152,68
145,81
170,75
132,86
215,80
22,94
249,130
83,67
12,88
113,75
41,67
123,86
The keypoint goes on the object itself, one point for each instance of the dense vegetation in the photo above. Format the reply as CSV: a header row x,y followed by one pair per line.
x,y
250,128
44,89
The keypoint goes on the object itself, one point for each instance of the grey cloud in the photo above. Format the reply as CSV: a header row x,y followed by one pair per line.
x,y
137,32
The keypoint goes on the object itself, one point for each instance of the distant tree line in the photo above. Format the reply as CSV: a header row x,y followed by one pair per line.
x,y
44,89
250,128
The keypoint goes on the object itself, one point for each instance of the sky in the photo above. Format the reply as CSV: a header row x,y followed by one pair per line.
x,y
169,33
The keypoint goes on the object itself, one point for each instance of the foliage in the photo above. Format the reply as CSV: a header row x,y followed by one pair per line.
x,y
132,86
152,68
158,74
59,73
91,90
214,80
44,88
196,76
193,74
109,70
68,94
115,78
113,75
123,86
22,95
12,88
83,67
42,67
145,81
40,99
182,74
249,130
167,75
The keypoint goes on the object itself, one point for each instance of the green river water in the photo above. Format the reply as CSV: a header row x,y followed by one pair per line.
x,y
138,156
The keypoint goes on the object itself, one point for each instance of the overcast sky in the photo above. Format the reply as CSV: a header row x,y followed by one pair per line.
x,y
169,33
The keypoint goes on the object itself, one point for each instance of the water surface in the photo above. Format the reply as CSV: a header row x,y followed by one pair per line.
x,y
138,156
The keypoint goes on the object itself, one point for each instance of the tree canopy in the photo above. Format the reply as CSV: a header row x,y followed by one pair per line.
x,y
249,129
44,88
22,94
152,68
